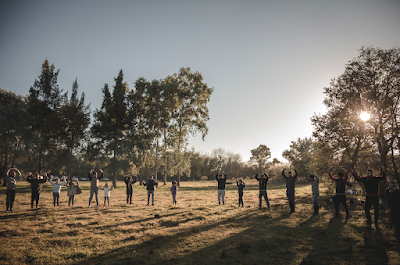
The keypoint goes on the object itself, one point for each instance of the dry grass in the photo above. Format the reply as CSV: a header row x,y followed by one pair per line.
x,y
196,231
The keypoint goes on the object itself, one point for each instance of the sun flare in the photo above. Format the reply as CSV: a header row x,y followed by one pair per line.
x,y
364,116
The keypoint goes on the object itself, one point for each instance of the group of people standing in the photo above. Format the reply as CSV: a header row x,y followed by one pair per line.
x,y
369,182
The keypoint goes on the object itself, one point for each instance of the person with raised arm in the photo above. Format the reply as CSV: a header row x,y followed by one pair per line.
x,y
221,178
107,190
240,184
262,186
94,185
371,184
151,185
36,186
314,180
340,197
290,185
129,181
56,189
11,178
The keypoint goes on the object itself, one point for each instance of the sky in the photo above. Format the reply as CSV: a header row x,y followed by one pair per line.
x,y
268,61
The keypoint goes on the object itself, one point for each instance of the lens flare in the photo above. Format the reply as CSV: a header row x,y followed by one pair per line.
x,y
365,116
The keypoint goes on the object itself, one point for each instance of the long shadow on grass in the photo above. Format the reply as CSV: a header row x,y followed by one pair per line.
x,y
161,249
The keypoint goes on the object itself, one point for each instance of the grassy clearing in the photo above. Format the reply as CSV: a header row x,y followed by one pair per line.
x,y
197,231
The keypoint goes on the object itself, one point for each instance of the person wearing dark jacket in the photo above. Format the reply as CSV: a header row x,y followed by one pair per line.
x,y
221,178
11,179
290,184
240,184
151,184
94,185
36,186
262,186
371,184
129,181
340,197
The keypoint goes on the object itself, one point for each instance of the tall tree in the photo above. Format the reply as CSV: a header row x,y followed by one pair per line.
x,y
12,120
44,102
111,124
191,114
301,155
76,119
370,83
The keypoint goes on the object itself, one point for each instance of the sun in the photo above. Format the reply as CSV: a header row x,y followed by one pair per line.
x,y
365,116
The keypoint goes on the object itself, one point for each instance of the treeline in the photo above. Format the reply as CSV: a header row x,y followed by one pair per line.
x,y
136,131
145,129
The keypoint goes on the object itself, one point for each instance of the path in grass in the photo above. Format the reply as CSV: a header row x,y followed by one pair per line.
x,y
196,231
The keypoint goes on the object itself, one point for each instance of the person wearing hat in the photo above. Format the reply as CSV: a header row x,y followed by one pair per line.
x,y
340,197
371,184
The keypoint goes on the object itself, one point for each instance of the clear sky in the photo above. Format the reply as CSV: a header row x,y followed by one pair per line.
x,y
268,61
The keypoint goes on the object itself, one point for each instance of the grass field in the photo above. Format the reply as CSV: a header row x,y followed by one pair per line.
x,y
196,231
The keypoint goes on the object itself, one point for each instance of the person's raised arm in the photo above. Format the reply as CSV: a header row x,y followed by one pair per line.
x,y
19,172
330,175
29,178
90,174
134,180
63,181
216,176
283,174
295,171
354,173
102,174
244,185
308,173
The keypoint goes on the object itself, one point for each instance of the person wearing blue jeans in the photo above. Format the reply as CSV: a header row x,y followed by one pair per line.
x,y
94,185
290,184
151,184
221,178
314,180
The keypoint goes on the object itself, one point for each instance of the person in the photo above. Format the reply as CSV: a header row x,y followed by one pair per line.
x,y
72,191
371,184
314,180
262,186
129,181
290,184
221,178
107,190
11,179
150,184
36,186
56,189
240,184
340,197
174,190
393,195
94,185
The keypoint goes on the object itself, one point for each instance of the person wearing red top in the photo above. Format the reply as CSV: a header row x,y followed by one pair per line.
x,y
371,184
340,197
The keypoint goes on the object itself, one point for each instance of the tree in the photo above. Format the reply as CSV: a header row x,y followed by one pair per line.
x,y
111,124
44,102
370,83
301,155
260,155
76,119
191,114
12,120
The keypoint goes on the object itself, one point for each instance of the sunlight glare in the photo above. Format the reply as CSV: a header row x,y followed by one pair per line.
x,y
364,116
